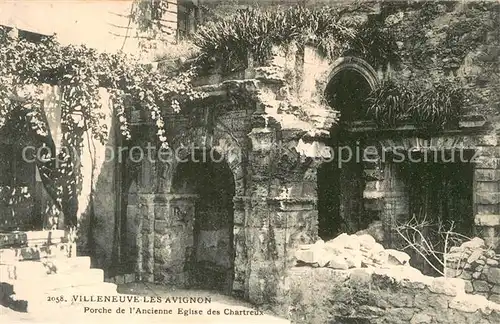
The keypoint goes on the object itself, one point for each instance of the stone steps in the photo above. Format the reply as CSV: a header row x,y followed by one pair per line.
x,y
31,238
13,254
39,269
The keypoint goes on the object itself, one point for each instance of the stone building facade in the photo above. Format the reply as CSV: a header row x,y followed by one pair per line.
x,y
251,171
241,220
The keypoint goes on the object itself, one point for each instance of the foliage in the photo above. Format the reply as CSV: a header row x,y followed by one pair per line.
x,y
376,42
436,106
428,39
254,31
153,31
80,72
148,14
390,103
182,50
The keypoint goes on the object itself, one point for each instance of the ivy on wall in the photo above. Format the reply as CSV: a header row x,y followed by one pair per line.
x,y
80,72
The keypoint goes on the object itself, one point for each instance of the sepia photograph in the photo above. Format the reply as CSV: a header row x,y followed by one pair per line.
x,y
250,161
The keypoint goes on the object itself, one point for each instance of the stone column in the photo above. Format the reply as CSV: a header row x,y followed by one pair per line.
x,y
143,209
242,212
283,211
487,190
173,238
395,205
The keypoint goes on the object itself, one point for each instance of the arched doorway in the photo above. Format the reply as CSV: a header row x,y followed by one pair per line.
x,y
340,181
210,263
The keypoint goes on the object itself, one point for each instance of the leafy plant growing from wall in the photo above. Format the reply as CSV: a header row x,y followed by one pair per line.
x,y
230,40
390,104
437,107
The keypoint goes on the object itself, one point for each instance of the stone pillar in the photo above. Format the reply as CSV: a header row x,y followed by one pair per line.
x,y
242,212
173,238
281,209
144,211
373,193
395,205
487,190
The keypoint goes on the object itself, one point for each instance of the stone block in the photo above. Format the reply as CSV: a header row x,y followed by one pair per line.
x,y
447,286
119,280
485,162
487,140
488,209
305,255
395,257
129,277
468,303
494,298
493,275
473,244
480,286
421,318
338,262
468,287
492,262
422,300
486,175
495,289
487,186
487,197
487,220
474,256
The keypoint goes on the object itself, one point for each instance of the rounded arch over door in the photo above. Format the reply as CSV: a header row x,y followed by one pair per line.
x,y
358,65
350,82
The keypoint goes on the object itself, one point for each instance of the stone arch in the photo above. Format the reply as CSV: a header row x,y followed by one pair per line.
x,y
224,145
350,81
340,189
355,64
207,203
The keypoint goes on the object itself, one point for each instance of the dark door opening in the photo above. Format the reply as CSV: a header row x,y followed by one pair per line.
x,y
211,261
440,195
340,196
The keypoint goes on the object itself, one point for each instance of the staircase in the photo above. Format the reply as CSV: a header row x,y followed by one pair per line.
x,y
39,275
39,268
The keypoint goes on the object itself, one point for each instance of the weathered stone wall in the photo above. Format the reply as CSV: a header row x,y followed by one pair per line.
x,y
386,197
165,211
279,132
354,279
478,265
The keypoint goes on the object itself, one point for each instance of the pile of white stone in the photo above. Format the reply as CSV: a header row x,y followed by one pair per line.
x,y
350,251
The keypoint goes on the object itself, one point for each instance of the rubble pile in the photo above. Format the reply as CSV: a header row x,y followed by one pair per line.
x,y
350,251
478,265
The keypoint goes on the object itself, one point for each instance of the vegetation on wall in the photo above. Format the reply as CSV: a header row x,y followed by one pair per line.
x,y
80,72
436,106
254,31
414,37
